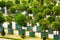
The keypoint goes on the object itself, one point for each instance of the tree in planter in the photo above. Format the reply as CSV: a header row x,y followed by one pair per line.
x,y
32,22
9,19
2,5
21,20
44,26
32,33
56,26
2,19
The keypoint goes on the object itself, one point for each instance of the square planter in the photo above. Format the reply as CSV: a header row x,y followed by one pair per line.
x,y
1,28
10,31
58,32
50,31
22,31
18,27
56,37
38,29
10,26
29,28
2,10
32,34
44,34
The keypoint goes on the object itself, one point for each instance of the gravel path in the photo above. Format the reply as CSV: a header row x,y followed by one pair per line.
x,y
4,39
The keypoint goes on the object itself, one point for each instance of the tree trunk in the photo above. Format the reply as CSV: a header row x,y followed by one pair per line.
x,y
44,37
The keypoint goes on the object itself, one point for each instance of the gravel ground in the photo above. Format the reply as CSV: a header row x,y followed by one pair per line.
x,y
4,39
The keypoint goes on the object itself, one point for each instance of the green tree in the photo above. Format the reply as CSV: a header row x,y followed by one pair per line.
x,y
44,24
22,7
56,10
51,19
56,26
9,4
47,11
13,9
21,19
50,6
42,8
2,5
17,1
9,18
2,18
29,11
38,16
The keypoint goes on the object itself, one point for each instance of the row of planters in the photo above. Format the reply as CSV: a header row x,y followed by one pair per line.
x,y
21,20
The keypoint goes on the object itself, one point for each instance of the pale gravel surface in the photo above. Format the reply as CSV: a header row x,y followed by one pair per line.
x,y
4,39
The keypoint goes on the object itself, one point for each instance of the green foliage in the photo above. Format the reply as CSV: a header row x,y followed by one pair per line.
x,y
17,1
51,19
44,24
9,4
2,3
13,9
2,19
22,7
41,2
9,18
47,11
56,25
50,6
38,16
42,8
29,10
56,10
21,19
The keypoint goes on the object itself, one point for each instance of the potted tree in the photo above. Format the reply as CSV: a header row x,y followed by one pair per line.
x,y
9,19
56,26
32,33
2,20
21,20
44,26
37,18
